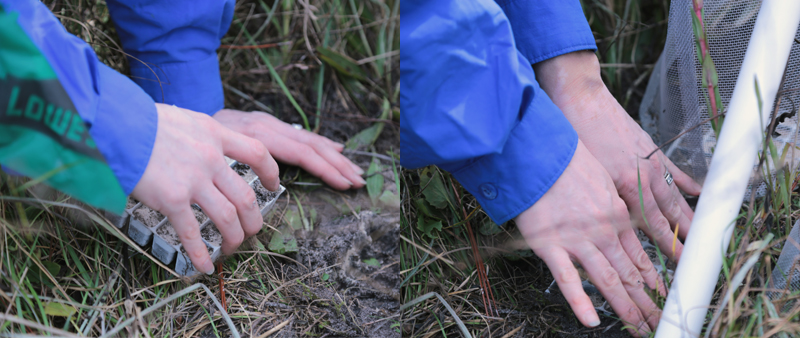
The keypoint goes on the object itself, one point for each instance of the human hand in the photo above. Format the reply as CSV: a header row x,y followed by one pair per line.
x,y
188,166
582,218
317,154
573,83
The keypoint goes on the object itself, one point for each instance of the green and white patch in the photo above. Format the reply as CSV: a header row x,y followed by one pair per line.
x,y
42,135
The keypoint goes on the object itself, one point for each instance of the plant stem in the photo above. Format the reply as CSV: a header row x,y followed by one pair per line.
x,y
709,76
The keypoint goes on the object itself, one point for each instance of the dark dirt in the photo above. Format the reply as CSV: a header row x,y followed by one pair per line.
x,y
348,284
241,169
542,310
356,253
167,232
148,216
183,250
345,296
211,234
371,292
263,196
199,215
542,313
130,204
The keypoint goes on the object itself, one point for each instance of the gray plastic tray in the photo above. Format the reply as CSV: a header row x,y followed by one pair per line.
x,y
157,229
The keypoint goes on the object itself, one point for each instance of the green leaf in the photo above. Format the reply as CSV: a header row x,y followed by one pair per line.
x,y
312,215
435,192
423,208
374,179
37,276
390,199
368,136
365,137
342,63
293,218
372,262
260,246
325,277
283,241
58,310
427,226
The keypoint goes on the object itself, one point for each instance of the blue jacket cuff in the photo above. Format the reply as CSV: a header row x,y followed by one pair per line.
x,y
194,85
538,150
133,113
546,29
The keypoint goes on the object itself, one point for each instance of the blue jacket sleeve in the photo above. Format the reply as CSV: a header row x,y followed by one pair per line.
x,y
544,29
121,118
472,106
173,46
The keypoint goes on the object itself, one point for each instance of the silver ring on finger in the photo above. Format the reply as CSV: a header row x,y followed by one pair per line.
x,y
668,177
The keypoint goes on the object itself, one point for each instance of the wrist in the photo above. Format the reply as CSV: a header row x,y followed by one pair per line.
x,y
570,78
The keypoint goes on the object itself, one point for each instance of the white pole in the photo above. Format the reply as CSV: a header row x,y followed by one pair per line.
x,y
731,167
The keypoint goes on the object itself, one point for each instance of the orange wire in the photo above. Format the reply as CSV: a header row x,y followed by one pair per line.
x,y
487,296
222,288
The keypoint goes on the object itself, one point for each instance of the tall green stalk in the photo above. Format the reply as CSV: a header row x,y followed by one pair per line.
x,y
710,78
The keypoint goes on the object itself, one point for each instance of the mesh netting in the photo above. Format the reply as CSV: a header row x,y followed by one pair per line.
x,y
787,270
675,101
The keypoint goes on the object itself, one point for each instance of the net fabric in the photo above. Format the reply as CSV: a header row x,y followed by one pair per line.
x,y
675,101
675,97
786,274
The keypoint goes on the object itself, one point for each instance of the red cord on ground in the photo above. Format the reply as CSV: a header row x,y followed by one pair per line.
x,y
222,288
487,295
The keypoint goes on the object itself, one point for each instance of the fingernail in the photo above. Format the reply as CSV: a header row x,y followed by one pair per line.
x,y
276,186
339,144
591,319
361,180
209,269
357,169
348,181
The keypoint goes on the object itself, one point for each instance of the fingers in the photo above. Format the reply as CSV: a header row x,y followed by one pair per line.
x,y
294,153
348,169
236,190
224,216
254,153
659,230
683,181
633,265
630,243
324,150
188,230
684,230
607,279
314,153
299,135
569,282
670,202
